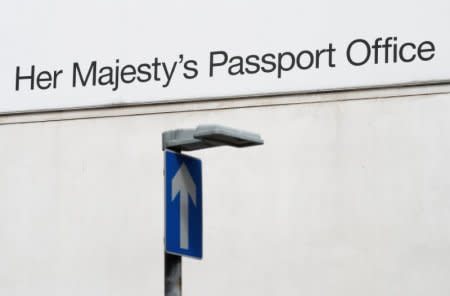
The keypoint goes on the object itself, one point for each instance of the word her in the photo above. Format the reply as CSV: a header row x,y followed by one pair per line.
x,y
42,80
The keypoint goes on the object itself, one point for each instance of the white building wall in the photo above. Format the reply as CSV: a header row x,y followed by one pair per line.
x,y
345,198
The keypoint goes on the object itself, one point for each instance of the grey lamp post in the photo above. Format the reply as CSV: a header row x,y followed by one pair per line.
x,y
202,137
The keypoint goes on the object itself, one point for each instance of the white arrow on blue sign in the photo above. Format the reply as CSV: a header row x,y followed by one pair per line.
x,y
183,200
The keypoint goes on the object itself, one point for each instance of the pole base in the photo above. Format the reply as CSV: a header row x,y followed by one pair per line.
x,y
172,275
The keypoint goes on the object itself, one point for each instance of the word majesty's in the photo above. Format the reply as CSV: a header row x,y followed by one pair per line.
x,y
358,52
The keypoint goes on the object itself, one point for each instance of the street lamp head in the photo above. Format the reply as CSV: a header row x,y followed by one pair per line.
x,y
208,136
227,136
183,140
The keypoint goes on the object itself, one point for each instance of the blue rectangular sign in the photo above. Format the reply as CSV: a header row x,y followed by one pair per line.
x,y
183,203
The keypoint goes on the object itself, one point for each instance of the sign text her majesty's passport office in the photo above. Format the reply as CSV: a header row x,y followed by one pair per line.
x,y
359,52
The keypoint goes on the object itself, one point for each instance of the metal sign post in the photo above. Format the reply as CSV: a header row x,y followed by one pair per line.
x,y
172,270
172,275
183,214
183,193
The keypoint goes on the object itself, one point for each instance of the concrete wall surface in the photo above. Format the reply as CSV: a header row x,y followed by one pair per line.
x,y
346,198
